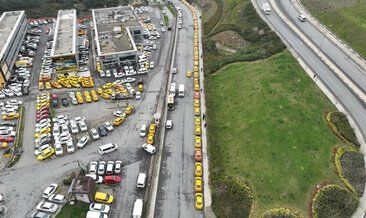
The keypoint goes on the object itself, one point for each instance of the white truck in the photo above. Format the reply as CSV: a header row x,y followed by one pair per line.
x,y
137,208
266,8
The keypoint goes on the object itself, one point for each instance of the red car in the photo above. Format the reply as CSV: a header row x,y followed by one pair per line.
x,y
6,139
198,154
42,113
44,116
54,96
111,179
196,95
43,108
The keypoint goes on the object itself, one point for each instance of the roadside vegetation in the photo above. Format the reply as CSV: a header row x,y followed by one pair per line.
x,y
266,127
341,127
78,210
48,8
346,18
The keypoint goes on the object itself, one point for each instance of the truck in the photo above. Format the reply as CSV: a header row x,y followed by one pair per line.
x,y
266,8
170,102
137,208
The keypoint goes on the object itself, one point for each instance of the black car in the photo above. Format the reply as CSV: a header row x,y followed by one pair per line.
x,y
102,131
8,123
54,102
65,102
25,90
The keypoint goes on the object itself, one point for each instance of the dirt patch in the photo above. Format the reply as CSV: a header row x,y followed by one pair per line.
x,y
224,48
230,39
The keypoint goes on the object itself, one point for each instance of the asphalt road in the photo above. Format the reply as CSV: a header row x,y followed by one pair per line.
x,y
175,196
338,88
23,184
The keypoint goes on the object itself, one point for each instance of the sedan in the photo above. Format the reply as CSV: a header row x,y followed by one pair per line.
x,y
108,126
50,190
102,131
83,141
94,133
65,102
83,126
103,208
199,201
41,149
118,113
96,178
101,167
198,154
57,198
118,167
47,207
39,214
112,179
93,167
198,169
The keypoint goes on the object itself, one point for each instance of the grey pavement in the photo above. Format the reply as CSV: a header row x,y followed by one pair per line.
x,y
23,184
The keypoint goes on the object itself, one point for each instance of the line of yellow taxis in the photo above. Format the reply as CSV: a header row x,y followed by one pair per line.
x,y
63,81
198,168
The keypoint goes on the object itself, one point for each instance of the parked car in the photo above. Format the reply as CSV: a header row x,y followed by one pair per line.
x,y
83,141
93,167
101,167
102,131
94,133
57,198
112,179
47,207
103,208
50,190
118,167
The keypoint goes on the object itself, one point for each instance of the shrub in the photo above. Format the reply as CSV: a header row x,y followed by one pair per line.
x,y
342,128
333,201
237,195
68,180
282,212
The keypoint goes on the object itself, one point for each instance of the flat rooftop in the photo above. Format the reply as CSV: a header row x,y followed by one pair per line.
x,y
64,41
112,29
8,24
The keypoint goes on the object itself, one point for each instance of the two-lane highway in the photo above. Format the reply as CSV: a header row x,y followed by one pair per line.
x,y
345,97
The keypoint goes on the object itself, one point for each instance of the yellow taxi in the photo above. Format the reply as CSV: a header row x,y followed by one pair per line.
x,y
40,85
129,110
47,153
197,130
106,96
108,91
197,121
108,85
198,169
199,201
152,128
103,197
195,75
150,139
94,95
4,145
75,84
198,184
196,103
195,69
41,105
196,111
87,96
196,87
79,97
189,74
56,85
100,91
141,87
118,121
11,116
196,81
42,131
197,142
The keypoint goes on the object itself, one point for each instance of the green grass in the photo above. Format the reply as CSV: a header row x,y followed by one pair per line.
x,y
172,10
349,22
78,210
266,126
166,20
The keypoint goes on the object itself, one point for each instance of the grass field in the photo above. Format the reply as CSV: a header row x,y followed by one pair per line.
x,y
347,20
78,210
266,125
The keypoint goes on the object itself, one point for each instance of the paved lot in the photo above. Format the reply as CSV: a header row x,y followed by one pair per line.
x,y
21,197
175,196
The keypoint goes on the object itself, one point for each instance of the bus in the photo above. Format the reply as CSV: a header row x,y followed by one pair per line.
x,y
170,102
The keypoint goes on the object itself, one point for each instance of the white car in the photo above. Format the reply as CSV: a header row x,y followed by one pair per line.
x,y
14,102
58,149
57,198
83,141
149,148
108,126
101,167
40,149
93,167
50,190
47,207
74,128
70,147
163,29
301,18
94,133
169,124
152,65
83,126
103,208
138,95
45,125
118,167
129,80
96,178
118,113
42,122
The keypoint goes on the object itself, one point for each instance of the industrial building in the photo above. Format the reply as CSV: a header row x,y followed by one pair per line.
x,y
12,31
64,50
116,30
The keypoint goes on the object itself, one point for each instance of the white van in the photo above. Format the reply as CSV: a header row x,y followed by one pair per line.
x,y
141,179
107,148
172,89
143,130
181,90
137,208
96,214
